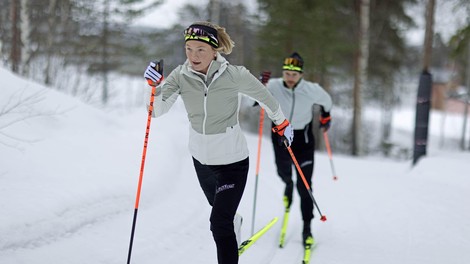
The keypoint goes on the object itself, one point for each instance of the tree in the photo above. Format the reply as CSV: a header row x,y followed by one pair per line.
x,y
242,32
26,51
387,54
460,45
15,50
360,74
29,41
68,32
318,30
214,11
18,108
106,45
50,37
326,34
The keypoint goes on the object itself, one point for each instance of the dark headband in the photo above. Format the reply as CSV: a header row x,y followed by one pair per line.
x,y
202,33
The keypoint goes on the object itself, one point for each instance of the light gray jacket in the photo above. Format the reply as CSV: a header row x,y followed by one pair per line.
x,y
212,102
297,103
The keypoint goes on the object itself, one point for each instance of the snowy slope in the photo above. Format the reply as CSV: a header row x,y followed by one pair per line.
x,y
69,174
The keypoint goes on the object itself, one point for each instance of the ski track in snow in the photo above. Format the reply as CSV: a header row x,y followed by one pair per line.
x,y
66,223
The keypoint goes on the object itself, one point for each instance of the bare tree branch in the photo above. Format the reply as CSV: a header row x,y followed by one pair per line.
x,y
20,108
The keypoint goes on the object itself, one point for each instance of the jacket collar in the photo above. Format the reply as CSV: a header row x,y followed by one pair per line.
x,y
295,86
217,66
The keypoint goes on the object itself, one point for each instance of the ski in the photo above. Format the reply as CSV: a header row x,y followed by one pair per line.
x,y
284,229
284,223
308,248
249,242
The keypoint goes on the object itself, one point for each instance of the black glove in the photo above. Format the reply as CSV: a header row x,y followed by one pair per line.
x,y
264,77
325,121
154,73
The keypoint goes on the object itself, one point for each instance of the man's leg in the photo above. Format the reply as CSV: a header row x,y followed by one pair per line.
x,y
284,168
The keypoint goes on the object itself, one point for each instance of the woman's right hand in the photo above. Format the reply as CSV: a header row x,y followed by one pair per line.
x,y
154,73
285,131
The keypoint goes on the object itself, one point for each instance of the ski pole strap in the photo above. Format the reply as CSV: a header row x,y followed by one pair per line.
x,y
325,120
279,129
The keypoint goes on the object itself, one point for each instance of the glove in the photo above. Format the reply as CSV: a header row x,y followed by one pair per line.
x,y
325,121
285,131
154,73
264,77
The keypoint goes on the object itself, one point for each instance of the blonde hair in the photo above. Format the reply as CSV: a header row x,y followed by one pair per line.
x,y
226,44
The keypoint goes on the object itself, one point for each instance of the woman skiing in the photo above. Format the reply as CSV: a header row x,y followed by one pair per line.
x,y
210,87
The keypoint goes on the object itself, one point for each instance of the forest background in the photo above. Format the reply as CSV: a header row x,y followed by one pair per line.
x,y
356,49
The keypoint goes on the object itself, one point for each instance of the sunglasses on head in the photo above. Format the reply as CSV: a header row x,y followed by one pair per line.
x,y
293,62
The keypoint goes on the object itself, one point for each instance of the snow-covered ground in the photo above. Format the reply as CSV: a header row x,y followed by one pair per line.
x,y
69,172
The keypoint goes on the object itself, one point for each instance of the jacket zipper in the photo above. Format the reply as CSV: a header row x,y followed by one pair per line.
x,y
292,116
206,91
293,106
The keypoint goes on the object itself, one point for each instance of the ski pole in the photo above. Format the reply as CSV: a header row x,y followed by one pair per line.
x,y
260,137
264,78
144,154
328,149
322,217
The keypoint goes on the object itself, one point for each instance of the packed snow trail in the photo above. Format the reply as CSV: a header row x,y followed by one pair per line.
x,y
67,196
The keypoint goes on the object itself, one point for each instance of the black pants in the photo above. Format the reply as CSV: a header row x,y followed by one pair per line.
x,y
303,149
223,186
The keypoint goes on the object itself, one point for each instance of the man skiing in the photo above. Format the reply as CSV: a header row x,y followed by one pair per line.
x,y
297,98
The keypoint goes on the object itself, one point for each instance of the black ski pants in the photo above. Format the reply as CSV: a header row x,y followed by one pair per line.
x,y
223,186
303,148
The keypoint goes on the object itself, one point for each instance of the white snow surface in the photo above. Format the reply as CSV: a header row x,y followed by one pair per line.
x,y
69,174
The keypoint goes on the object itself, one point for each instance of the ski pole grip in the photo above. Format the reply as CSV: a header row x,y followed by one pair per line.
x,y
151,83
159,69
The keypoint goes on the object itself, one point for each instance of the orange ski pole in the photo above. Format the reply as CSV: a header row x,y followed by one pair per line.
x,y
328,149
144,154
322,217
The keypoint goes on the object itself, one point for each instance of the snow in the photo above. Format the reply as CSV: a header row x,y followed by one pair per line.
x,y
69,173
